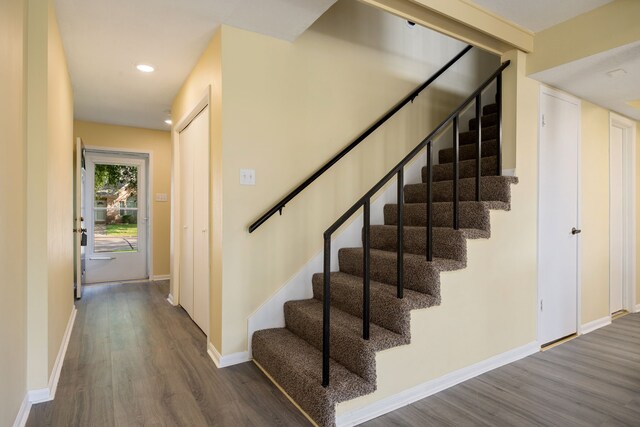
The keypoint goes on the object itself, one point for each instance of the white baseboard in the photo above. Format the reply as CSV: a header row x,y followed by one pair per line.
x,y
421,391
49,393
228,360
636,309
23,412
161,277
596,324
171,300
508,172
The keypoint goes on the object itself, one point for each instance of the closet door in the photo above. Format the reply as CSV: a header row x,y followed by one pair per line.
x,y
201,220
186,146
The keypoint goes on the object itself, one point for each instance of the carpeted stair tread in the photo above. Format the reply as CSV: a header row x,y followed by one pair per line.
x,y
304,318
467,169
473,215
386,309
468,152
492,188
471,137
297,367
419,274
487,120
490,109
447,242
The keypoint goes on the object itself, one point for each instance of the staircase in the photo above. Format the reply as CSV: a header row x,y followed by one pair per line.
x,y
293,356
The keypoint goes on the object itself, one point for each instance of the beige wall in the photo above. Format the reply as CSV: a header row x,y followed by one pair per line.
x,y
491,304
288,107
156,142
60,190
13,308
612,25
594,210
205,78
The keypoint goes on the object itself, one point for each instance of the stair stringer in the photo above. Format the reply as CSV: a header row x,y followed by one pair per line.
x,y
488,311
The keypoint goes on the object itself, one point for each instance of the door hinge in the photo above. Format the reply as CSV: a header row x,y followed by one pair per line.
x,y
540,305
544,123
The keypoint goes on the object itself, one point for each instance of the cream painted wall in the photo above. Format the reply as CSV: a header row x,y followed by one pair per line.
x,y
289,107
158,143
13,304
612,25
60,189
594,151
205,78
491,304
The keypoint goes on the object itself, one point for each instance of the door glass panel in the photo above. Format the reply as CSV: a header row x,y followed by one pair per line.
x,y
116,208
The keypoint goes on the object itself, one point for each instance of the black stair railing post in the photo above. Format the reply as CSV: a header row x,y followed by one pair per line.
x,y
479,147
400,234
456,171
365,277
499,125
429,201
326,304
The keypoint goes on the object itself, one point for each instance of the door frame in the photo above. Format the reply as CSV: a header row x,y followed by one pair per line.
x,y
629,210
110,151
550,91
176,230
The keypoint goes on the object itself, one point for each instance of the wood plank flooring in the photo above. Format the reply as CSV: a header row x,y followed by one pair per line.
x,y
593,380
133,359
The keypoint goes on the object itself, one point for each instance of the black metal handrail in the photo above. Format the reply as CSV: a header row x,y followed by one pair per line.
x,y
398,170
409,98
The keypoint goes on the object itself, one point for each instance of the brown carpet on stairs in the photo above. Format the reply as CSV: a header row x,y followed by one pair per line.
x,y
293,355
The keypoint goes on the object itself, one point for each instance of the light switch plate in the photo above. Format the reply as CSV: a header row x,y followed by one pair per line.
x,y
247,177
161,197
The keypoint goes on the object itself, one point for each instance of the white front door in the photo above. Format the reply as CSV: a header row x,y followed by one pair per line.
x,y
558,216
117,224
616,220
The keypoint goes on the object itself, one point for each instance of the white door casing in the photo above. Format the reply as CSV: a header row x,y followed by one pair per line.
x,y
622,210
79,222
558,214
114,266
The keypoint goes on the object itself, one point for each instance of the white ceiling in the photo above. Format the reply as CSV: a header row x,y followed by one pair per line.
x,y
104,40
536,15
587,78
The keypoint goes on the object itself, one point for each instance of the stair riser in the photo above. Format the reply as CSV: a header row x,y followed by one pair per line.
x,y
489,109
472,215
350,352
491,189
385,311
419,275
467,152
467,169
487,120
471,137
447,243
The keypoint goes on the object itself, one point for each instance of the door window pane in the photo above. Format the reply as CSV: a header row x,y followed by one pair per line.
x,y
115,208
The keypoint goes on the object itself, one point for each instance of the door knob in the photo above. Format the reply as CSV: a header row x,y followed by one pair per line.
x,y
575,231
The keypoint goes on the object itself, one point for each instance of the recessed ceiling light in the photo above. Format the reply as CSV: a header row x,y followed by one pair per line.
x,y
619,72
145,68
168,121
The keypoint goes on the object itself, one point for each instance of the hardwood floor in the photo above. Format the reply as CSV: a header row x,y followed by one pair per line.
x,y
133,359
593,380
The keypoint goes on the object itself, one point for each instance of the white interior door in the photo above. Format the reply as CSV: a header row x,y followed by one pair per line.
x,y
558,216
186,145
194,212
616,220
116,189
